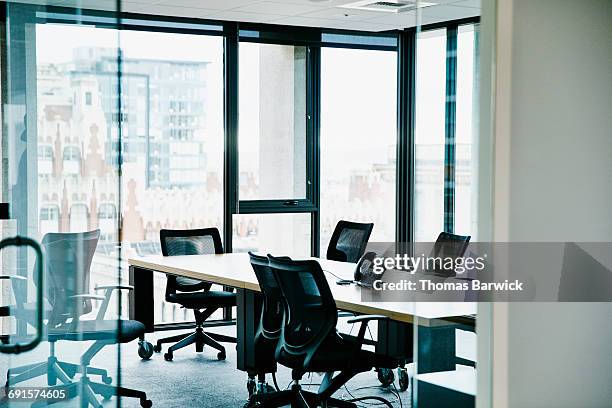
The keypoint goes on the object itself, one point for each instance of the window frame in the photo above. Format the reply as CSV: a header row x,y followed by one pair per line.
x,y
401,41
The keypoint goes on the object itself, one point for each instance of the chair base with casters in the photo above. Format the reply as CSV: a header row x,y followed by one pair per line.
x,y
55,370
264,364
104,333
342,349
297,397
192,293
200,338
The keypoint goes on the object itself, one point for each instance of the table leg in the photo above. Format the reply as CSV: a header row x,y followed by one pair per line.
x,y
248,313
141,298
436,348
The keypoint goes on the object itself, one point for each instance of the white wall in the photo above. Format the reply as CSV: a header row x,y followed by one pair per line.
x,y
553,182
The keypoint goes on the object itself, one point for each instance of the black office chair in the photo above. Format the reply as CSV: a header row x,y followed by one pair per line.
x,y
349,241
309,341
449,245
269,329
67,261
194,294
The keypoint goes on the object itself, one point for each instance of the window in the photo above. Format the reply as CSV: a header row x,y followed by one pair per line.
x,y
45,159
176,180
358,140
272,122
467,102
429,134
280,234
107,222
79,218
172,175
48,219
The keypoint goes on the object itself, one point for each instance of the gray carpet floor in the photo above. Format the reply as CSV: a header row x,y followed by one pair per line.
x,y
191,379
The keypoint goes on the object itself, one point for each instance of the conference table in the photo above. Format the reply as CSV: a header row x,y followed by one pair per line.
x,y
436,322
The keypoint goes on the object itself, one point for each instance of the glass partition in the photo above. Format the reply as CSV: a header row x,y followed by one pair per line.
x,y
446,172
61,145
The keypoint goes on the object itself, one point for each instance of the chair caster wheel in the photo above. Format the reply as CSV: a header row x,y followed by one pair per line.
x,y
107,380
168,356
221,355
146,403
251,385
145,350
157,348
106,397
403,379
385,376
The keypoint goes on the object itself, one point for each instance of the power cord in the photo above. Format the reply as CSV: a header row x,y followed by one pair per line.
x,y
369,404
380,399
333,274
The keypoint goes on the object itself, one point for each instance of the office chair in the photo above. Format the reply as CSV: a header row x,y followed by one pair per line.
x,y
309,341
194,294
269,329
77,263
67,261
348,241
449,245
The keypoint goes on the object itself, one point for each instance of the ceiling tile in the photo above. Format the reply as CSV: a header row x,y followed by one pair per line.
x,y
234,15
285,9
304,21
400,20
208,4
320,4
337,13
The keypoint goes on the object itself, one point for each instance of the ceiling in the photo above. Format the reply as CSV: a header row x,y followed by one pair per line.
x,y
311,13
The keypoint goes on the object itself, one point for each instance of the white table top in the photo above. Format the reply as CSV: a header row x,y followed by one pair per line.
x,y
235,270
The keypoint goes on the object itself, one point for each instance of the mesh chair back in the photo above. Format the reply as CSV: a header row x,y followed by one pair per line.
x,y
189,242
450,245
272,310
349,241
310,310
67,263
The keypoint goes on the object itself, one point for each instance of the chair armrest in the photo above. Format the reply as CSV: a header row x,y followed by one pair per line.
x,y
366,318
87,296
114,287
18,277
108,292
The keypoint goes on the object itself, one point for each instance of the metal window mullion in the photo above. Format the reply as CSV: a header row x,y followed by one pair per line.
x,y
406,83
230,159
450,129
230,115
313,102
